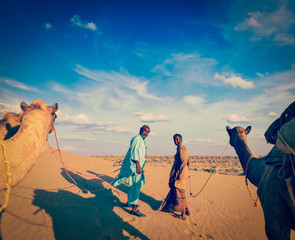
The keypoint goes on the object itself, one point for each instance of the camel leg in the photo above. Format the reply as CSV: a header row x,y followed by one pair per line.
x,y
277,231
276,221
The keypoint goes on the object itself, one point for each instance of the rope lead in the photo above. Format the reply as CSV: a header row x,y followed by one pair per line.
x,y
212,171
256,201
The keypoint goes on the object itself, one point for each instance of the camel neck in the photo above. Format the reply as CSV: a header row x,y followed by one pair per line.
x,y
25,146
243,152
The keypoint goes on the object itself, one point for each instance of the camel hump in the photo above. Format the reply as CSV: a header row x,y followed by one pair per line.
x,y
271,133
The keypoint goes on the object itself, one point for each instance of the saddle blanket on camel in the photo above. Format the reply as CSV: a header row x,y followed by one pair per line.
x,y
282,133
284,127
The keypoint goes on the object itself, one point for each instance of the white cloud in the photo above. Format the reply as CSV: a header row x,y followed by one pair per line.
x,y
187,68
17,84
77,21
235,118
260,75
234,80
273,114
148,117
123,79
201,141
253,22
138,113
9,108
59,88
81,118
91,26
194,100
82,123
47,26
276,26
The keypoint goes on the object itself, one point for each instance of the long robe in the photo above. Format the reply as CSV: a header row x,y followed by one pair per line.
x,y
137,152
176,197
180,169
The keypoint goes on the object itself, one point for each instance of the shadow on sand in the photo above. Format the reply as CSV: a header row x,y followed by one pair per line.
x,y
153,203
76,217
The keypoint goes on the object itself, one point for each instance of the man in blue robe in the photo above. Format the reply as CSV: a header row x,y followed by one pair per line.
x,y
132,169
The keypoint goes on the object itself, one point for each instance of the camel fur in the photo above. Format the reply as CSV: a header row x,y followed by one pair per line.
x,y
9,124
268,174
29,142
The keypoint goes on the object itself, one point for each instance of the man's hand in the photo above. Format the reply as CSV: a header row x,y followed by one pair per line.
x,y
138,167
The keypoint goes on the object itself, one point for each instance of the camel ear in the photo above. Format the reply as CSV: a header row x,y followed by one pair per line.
x,y
20,115
248,129
3,114
54,107
228,128
23,106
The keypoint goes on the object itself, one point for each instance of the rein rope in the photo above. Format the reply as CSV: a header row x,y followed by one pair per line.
x,y
8,174
212,170
256,201
77,172
285,142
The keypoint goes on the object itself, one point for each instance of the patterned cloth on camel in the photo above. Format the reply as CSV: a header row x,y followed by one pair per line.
x,y
176,200
271,133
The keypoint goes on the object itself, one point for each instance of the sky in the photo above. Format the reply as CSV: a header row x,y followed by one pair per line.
x,y
191,67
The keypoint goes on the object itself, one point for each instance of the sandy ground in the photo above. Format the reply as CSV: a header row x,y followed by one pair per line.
x,y
47,205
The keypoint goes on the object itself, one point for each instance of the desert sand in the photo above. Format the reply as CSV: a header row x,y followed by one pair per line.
x,y
48,205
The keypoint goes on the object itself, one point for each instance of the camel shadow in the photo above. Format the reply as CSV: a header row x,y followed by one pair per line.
x,y
153,203
76,217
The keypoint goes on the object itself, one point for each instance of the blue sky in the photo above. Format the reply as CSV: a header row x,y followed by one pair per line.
x,y
188,67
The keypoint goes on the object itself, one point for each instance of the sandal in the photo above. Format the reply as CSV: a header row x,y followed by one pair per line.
x,y
179,216
137,213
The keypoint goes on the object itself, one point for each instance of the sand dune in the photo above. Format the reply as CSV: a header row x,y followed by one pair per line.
x,y
47,205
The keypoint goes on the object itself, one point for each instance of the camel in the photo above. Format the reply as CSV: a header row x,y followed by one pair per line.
x,y
23,149
10,124
268,175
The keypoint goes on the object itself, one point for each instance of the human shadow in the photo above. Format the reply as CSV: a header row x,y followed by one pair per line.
x,y
153,203
76,217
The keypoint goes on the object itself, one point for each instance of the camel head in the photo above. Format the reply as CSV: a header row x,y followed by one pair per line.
x,y
237,134
10,124
12,118
42,106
